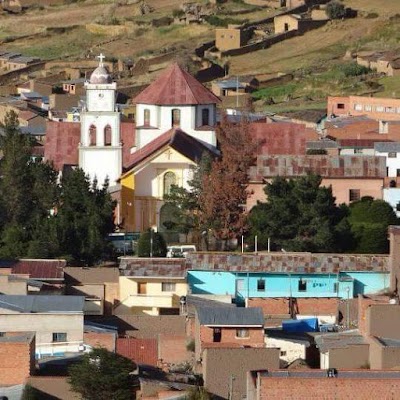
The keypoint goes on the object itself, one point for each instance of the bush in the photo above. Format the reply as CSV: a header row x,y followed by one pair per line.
x,y
144,245
335,10
176,13
372,15
353,69
224,22
191,346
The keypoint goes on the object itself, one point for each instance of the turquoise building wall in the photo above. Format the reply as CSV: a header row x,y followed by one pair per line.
x,y
241,285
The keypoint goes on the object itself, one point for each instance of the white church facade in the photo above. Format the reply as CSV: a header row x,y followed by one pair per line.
x,y
175,126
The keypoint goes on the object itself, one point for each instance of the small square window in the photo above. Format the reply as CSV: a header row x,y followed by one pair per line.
x,y
392,155
368,107
261,285
379,109
302,285
168,287
340,106
283,353
59,337
242,333
354,194
358,107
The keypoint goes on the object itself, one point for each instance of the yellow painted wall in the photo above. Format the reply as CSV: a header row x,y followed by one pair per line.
x,y
129,286
127,212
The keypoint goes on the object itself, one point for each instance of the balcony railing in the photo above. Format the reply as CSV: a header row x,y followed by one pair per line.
x,y
167,300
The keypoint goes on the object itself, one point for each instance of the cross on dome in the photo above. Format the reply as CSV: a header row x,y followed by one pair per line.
x,y
101,57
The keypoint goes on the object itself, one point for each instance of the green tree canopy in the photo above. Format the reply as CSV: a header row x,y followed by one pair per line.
x,y
369,220
299,215
146,249
102,375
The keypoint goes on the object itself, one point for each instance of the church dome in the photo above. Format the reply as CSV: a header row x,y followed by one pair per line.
x,y
100,76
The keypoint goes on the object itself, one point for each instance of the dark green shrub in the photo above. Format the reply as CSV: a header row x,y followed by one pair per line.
x,y
335,10
159,248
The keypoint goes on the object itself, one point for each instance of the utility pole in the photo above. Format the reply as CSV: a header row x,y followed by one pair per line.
x,y
231,379
151,242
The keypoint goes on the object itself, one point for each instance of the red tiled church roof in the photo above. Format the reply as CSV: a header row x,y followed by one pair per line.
x,y
176,87
178,140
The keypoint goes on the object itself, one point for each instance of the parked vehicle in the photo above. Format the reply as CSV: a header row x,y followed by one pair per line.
x,y
179,251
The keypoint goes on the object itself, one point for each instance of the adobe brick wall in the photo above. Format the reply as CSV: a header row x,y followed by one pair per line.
x,y
219,364
328,388
111,296
363,304
172,349
383,320
306,306
351,357
17,362
106,340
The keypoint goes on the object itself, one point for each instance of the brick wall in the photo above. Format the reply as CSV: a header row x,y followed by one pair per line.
x,y
363,304
172,349
105,340
228,336
140,351
17,361
328,388
306,306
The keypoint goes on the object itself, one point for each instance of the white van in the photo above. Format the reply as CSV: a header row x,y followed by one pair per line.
x,y
179,251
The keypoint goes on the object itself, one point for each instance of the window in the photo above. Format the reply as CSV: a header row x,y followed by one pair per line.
x,y
142,288
340,106
169,180
358,107
392,155
358,151
261,285
107,135
205,116
397,172
176,117
354,194
242,333
335,287
283,353
217,334
368,107
379,109
302,285
92,135
59,337
168,287
146,117
390,110
383,127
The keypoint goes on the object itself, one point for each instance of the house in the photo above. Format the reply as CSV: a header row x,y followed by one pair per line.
x,y
228,327
292,346
74,86
232,37
17,355
151,288
296,22
349,177
234,86
56,320
225,369
99,286
329,385
380,109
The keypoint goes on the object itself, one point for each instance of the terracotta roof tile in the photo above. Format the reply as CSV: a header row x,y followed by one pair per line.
x,y
176,87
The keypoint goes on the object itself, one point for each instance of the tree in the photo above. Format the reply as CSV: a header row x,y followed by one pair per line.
x,y
369,220
300,215
224,190
335,10
84,219
157,249
103,375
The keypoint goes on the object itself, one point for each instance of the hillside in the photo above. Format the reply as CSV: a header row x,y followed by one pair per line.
x,y
315,58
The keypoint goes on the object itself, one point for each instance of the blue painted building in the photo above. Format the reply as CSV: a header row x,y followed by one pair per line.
x,y
241,285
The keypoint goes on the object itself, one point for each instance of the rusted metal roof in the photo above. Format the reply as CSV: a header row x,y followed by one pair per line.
x,y
323,165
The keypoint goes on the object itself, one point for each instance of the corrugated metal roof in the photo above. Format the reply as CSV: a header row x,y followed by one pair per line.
x,y
226,316
387,147
40,269
46,304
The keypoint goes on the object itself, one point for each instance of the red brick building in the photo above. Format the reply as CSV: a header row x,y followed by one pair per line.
x,y
17,355
228,327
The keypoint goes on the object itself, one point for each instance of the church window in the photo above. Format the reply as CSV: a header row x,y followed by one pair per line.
x,y
169,180
107,135
92,135
146,117
205,116
176,117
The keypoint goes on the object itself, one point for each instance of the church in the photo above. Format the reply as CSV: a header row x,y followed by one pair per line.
x,y
174,125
